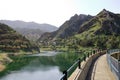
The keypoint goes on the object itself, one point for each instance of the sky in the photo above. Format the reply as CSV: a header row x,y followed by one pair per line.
x,y
54,12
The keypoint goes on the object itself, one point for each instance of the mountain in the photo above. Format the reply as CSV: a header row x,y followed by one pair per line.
x,y
69,28
11,41
101,31
105,22
31,34
30,30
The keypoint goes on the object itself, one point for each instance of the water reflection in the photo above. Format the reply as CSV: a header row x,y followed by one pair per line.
x,y
46,53
35,73
42,67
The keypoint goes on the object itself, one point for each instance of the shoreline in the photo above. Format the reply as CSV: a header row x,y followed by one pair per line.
x,y
2,67
4,59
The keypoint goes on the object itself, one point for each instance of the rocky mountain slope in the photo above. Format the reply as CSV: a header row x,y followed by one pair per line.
x,y
100,31
11,41
105,22
69,28
30,30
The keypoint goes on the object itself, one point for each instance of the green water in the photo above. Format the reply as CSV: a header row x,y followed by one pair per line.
x,y
39,67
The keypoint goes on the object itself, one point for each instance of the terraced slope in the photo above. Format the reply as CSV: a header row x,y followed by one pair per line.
x,y
11,41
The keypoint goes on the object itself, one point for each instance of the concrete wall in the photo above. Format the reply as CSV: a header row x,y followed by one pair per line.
x,y
85,66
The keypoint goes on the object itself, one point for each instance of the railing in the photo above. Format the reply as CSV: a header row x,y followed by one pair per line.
x,y
77,63
65,73
114,64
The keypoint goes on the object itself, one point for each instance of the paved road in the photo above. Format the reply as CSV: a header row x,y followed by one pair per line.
x,y
100,70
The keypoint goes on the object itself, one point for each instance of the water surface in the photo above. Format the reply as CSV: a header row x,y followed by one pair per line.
x,y
47,66
35,73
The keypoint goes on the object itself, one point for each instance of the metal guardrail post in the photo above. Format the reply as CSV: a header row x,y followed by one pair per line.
x,y
79,64
88,55
84,58
94,52
65,77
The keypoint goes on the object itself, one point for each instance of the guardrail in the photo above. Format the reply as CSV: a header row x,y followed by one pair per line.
x,y
65,73
113,63
77,63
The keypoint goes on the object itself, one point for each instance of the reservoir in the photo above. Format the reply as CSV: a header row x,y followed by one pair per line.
x,y
45,66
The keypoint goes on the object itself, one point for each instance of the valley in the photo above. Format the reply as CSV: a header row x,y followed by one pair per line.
x,y
26,49
40,65
31,30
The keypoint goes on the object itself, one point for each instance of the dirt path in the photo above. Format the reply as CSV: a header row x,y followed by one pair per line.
x,y
100,70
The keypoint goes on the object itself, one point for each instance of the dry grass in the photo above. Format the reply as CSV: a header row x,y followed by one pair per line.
x,y
3,60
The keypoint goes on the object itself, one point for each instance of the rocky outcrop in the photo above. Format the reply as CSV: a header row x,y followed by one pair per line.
x,y
108,23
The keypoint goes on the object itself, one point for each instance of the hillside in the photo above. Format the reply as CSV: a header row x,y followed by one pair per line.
x,y
31,34
11,41
105,22
69,28
30,30
100,31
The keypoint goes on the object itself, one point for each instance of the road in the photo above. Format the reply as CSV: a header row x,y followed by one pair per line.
x,y
100,70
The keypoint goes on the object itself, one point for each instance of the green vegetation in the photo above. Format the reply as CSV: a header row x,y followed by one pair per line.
x,y
76,39
11,41
101,41
101,31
